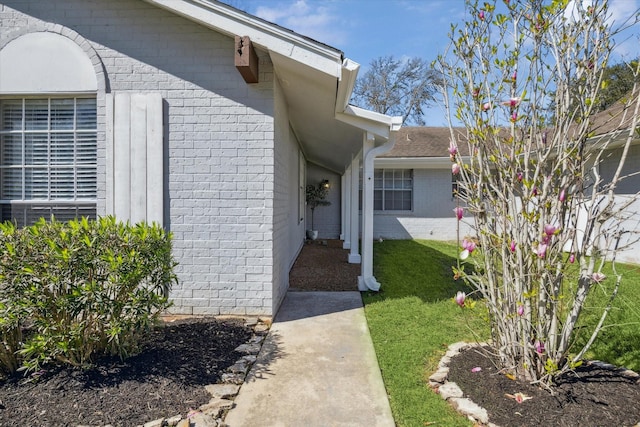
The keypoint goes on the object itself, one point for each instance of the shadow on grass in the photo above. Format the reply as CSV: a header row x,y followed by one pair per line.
x,y
414,268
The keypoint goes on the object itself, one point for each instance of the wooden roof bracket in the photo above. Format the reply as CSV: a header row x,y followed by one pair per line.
x,y
246,59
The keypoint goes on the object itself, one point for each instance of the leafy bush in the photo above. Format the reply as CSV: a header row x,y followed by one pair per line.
x,y
80,289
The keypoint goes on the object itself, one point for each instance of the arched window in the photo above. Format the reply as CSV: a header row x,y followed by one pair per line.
x,y
48,129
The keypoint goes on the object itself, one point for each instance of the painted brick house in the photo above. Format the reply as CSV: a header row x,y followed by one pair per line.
x,y
189,113
419,168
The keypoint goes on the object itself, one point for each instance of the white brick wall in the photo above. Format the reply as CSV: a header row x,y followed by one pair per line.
x,y
288,230
218,140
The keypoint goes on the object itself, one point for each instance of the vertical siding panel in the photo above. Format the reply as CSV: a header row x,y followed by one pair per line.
x,y
122,166
138,158
155,159
109,151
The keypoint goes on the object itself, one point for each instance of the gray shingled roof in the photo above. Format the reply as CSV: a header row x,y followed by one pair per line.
x,y
424,142
434,141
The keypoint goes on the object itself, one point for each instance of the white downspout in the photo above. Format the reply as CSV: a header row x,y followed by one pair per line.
x,y
367,281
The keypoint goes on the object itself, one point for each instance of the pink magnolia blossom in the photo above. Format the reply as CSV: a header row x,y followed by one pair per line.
x,y
460,297
476,369
453,149
563,195
535,191
514,76
455,169
598,277
519,176
550,230
520,310
481,15
541,250
512,246
512,102
459,212
514,116
572,258
486,106
476,92
539,345
469,245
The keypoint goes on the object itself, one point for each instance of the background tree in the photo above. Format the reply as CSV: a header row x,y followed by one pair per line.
x,y
617,81
397,88
524,83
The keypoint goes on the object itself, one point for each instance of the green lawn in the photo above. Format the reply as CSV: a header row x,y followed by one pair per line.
x,y
413,320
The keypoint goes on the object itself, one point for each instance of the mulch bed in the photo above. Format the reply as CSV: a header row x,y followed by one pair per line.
x,y
164,380
590,396
323,266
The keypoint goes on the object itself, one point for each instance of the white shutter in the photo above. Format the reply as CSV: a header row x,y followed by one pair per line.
x,y
135,157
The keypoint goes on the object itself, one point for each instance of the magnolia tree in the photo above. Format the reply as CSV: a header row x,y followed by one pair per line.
x,y
523,78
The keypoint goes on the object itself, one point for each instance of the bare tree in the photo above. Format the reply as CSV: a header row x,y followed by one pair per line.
x,y
525,84
397,88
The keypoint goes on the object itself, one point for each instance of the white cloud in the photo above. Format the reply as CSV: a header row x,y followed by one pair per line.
x,y
320,21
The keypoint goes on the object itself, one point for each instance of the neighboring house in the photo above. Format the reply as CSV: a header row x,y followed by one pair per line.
x,y
191,114
415,188
414,184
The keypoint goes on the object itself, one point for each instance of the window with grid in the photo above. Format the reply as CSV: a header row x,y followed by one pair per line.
x,y
47,158
392,189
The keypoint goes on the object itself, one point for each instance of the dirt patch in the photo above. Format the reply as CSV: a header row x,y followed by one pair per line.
x,y
590,396
164,380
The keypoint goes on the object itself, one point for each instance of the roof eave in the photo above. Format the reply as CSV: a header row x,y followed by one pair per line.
x,y
370,121
271,37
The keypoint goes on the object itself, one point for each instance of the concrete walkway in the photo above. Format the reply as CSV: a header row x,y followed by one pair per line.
x,y
317,367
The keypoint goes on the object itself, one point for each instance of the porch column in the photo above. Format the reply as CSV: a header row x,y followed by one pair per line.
x,y
346,209
370,151
354,255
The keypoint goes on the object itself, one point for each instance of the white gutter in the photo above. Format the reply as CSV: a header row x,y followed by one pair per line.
x,y
416,162
347,82
367,280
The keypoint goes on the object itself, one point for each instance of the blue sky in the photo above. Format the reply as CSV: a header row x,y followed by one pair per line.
x,y
368,29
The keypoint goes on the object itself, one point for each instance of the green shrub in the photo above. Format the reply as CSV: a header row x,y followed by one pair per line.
x,y
80,289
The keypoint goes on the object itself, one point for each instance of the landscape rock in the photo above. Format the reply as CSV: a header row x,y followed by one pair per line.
x,y
469,408
444,362
251,321
440,376
231,378
203,420
184,423
215,406
257,339
240,367
154,423
173,421
458,346
449,390
248,348
261,329
250,358
223,391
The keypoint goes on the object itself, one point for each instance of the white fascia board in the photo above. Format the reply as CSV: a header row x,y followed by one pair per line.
x,y
370,121
270,37
415,162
